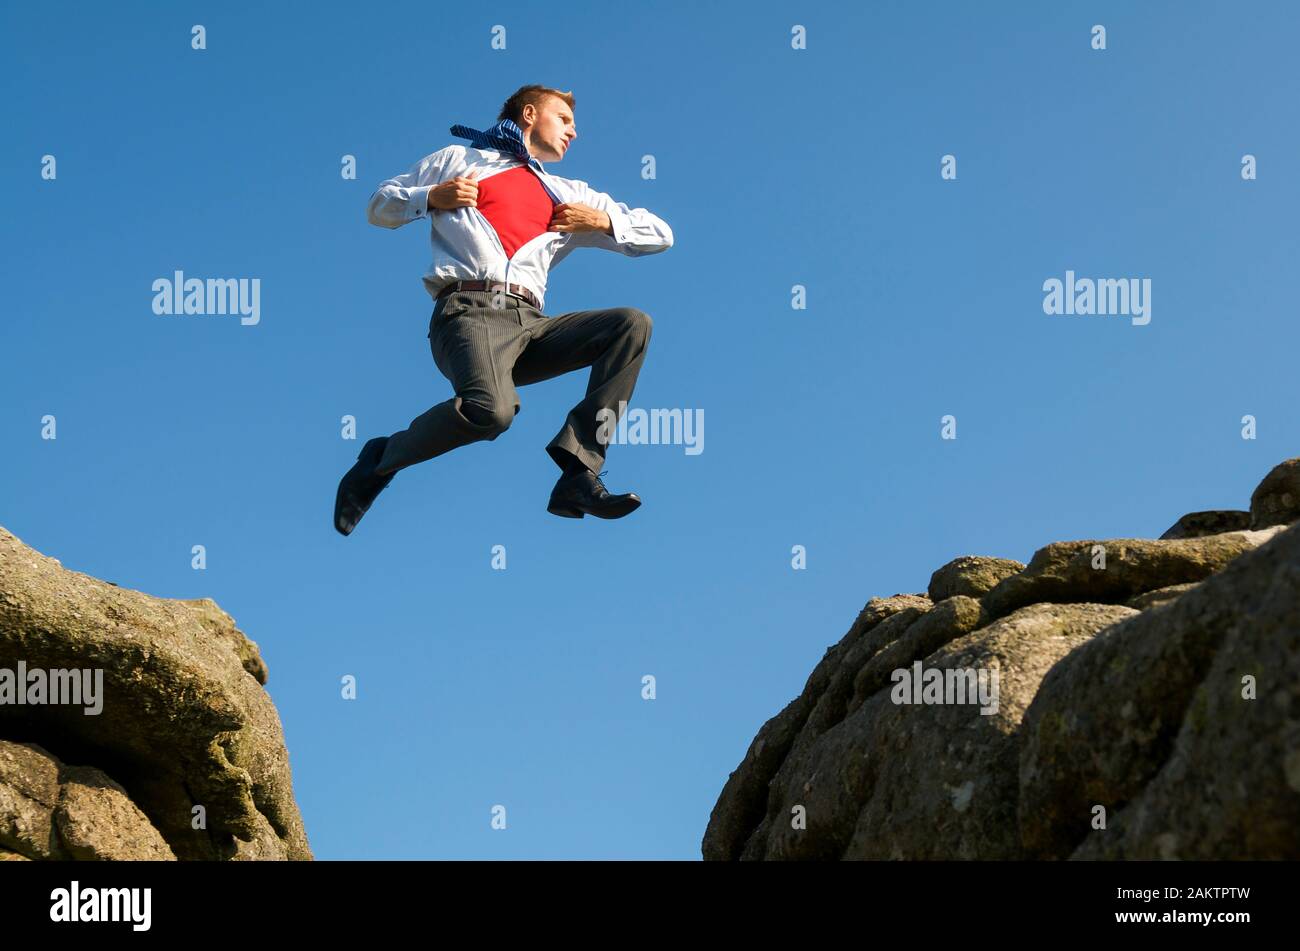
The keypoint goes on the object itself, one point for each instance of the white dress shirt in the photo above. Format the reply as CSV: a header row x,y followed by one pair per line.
x,y
465,245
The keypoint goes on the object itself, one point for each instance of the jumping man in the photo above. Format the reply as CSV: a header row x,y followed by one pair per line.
x,y
499,223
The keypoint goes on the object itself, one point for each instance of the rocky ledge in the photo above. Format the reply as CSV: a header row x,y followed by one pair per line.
x,y
133,727
1113,699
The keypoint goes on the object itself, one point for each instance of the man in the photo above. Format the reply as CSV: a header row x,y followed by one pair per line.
x,y
499,223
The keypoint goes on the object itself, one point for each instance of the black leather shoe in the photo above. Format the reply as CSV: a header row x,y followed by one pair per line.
x,y
581,493
360,486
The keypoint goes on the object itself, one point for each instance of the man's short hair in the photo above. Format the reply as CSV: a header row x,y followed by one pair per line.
x,y
514,106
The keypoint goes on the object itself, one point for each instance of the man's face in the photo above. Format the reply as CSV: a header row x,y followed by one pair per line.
x,y
548,129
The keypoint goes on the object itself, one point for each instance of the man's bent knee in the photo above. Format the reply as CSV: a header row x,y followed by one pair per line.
x,y
492,420
637,322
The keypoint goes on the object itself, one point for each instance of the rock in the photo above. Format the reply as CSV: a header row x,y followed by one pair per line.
x,y
1200,524
185,719
221,625
962,765
744,797
97,820
1063,572
1176,713
831,706
909,781
971,575
49,810
878,609
29,794
1148,721
1276,500
947,621
1159,596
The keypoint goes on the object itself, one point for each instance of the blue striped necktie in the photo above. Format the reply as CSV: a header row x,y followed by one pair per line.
x,y
505,136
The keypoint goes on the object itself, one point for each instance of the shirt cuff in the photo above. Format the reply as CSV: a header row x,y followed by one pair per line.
x,y
620,224
418,201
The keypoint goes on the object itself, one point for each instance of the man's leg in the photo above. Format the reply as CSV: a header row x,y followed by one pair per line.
x,y
613,343
474,347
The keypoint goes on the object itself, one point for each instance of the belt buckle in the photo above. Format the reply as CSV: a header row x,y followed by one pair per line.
x,y
505,287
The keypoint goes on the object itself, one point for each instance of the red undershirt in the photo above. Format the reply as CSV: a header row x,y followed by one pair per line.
x,y
517,206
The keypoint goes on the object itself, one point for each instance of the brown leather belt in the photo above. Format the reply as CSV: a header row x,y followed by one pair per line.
x,y
518,290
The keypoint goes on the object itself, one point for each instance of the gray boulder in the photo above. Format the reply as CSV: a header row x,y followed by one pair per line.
x,y
918,781
1144,709
1160,596
1276,500
1200,524
1149,722
971,575
49,810
743,801
1072,572
186,720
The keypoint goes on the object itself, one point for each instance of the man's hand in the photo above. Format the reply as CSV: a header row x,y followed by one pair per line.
x,y
576,217
459,192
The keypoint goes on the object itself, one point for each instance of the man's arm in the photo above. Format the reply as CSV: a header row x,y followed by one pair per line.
x,y
631,231
404,198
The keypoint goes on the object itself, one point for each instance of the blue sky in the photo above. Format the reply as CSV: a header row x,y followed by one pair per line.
x,y
775,167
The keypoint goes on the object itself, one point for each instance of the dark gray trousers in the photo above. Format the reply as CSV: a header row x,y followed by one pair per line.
x,y
486,352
